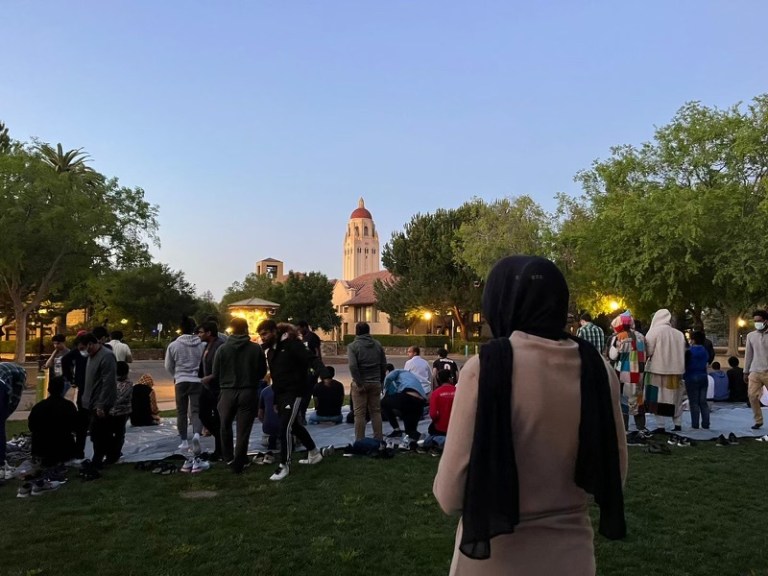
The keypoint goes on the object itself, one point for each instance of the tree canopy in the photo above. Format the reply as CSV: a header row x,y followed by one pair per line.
x,y
61,225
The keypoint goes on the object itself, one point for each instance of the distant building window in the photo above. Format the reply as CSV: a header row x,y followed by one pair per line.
x,y
359,250
357,231
271,271
476,317
366,314
365,231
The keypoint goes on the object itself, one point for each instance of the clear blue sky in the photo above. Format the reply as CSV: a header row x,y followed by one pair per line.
x,y
255,126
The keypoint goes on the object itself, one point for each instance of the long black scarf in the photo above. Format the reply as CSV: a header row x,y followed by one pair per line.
x,y
530,294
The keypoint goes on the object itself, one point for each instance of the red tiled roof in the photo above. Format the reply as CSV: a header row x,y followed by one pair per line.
x,y
363,287
361,213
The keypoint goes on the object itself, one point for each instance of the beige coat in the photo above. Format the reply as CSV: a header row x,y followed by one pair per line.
x,y
555,534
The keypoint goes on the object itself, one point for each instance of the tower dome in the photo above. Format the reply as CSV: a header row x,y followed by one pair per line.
x,y
361,244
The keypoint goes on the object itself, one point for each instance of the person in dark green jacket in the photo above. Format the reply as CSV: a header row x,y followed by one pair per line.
x,y
239,367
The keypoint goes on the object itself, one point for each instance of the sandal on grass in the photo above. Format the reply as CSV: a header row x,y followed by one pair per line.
x,y
165,469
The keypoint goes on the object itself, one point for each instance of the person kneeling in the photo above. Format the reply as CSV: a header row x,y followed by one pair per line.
x,y
329,397
440,406
404,393
53,423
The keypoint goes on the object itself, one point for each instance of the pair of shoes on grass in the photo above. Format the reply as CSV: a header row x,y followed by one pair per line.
x,y
195,465
677,440
730,441
38,488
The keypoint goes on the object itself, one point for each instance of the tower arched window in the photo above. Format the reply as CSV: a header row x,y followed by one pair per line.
x,y
357,231
365,231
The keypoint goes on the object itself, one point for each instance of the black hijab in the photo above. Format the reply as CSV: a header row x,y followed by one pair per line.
x,y
529,294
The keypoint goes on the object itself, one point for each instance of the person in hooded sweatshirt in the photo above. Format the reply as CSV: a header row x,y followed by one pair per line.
x,y
288,362
239,367
664,388
182,361
368,367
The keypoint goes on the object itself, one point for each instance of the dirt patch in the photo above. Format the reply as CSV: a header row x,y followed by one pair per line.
x,y
198,494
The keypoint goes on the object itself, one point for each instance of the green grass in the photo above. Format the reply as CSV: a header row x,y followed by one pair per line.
x,y
698,512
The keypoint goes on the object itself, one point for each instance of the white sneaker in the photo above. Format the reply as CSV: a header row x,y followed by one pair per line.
x,y
762,438
187,466
196,449
313,457
280,473
200,466
7,472
184,445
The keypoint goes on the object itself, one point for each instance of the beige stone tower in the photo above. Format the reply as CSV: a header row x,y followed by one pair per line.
x,y
361,244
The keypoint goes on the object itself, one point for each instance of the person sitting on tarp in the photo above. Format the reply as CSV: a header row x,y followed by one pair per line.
x,y
53,423
736,385
144,411
440,406
329,398
722,394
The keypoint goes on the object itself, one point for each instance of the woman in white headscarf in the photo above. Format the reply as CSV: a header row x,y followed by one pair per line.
x,y
664,370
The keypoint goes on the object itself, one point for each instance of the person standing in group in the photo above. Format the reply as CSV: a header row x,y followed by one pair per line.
x,y
121,350
13,378
239,367
182,361
99,395
288,362
208,332
53,364
120,412
756,364
696,383
524,494
591,332
312,344
626,349
420,367
444,363
664,369
368,366
73,364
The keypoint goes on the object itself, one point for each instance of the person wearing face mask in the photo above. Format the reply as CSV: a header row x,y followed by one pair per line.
x,y
756,364
73,365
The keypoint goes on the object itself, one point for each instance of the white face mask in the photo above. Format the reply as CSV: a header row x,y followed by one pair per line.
x,y
83,353
760,326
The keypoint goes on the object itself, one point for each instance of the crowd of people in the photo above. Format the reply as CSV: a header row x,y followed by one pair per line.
x,y
226,380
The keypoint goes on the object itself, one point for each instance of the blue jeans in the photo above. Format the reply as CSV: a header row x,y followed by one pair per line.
x,y
315,419
696,387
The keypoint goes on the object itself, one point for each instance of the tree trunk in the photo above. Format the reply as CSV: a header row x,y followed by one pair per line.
x,y
461,323
733,334
21,333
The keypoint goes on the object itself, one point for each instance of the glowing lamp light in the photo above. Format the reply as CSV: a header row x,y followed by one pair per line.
x,y
742,322
427,315
124,321
613,305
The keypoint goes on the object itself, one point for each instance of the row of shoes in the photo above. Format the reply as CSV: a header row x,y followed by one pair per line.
x,y
195,465
39,487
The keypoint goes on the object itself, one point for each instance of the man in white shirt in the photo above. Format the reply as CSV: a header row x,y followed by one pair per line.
x,y
420,367
120,349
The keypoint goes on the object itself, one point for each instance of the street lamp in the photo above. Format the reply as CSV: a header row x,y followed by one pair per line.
x,y
428,317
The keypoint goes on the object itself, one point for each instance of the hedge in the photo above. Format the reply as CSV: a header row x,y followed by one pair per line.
x,y
405,340
9,346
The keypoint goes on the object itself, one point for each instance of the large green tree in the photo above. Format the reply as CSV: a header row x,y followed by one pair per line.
x,y
430,274
62,225
504,227
143,296
306,297
675,222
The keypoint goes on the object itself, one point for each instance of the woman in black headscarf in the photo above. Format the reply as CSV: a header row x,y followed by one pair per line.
x,y
536,426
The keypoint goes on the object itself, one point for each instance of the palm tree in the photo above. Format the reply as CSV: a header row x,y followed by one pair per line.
x,y
73,161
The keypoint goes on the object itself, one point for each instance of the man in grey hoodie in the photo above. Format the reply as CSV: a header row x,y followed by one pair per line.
x,y
99,394
182,361
368,366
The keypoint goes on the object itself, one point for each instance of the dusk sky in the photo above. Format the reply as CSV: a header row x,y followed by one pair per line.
x,y
256,126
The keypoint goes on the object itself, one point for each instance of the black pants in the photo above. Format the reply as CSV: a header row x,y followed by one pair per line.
x,y
83,422
288,410
116,438
209,415
410,407
239,405
101,436
307,397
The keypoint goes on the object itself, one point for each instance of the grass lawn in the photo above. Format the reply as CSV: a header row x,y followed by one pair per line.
x,y
700,511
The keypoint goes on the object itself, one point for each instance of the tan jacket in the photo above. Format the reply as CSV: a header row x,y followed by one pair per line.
x,y
555,534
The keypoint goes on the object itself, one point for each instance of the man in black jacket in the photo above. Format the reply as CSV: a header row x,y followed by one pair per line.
x,y
288,361
209,394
